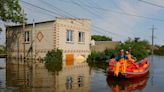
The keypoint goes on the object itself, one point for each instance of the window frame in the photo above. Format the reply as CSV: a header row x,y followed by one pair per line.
x,y
69,36
81,38
27,37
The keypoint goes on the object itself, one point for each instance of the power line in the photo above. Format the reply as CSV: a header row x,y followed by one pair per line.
x,y
118,12
92,6
98,31
150,3
92,3
79,4
105,30
124,23
98,7
92,13
29,8
56,8
73,16
40,8
98,28
60,15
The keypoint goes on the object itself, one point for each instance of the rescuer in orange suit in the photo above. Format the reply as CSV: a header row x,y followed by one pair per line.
x,y
121,63
130,56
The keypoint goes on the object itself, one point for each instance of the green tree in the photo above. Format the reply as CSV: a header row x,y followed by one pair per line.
x,y
159,51
2,49
101,38
162,46
10,10
0,30
53,60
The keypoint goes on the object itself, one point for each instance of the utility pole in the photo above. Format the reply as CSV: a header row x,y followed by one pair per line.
x,y
24,52
152,47
33,41
152,58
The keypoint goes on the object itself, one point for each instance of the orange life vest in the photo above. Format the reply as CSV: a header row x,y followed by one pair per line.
x,y
130,57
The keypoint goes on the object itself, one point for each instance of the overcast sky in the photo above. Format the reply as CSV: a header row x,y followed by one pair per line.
x,y
118,19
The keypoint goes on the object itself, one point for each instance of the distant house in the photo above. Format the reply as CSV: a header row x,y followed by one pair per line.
x,y
71,35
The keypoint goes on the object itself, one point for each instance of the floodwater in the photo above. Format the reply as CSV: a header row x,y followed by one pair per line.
x,y
30,76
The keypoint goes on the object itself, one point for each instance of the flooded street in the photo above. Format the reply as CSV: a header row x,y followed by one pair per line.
x,y
28,76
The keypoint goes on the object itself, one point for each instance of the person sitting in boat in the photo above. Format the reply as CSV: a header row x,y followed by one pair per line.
x,y
121,63
122,55
130,56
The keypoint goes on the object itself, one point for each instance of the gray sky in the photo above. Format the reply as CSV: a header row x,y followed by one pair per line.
x,y
118,19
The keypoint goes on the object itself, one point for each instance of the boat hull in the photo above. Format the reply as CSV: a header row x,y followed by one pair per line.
x,y
131,74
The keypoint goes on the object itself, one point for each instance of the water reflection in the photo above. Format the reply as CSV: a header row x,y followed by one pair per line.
x,y
30,76
54,67
127,85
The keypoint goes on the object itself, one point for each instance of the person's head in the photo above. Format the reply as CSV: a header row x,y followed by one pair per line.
x,y
121,52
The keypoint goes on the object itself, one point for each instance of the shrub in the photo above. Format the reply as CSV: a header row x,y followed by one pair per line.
x,y
53,60
2,49
159,51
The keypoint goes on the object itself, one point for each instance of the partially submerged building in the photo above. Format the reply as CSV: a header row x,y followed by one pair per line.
x,y
36,39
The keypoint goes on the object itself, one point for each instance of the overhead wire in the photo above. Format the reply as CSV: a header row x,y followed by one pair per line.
x,y
118,12
56,8
71,14
106,31
54,12
98,16
98,28
29,8
92,3
150,3
120,19
41,8
157,19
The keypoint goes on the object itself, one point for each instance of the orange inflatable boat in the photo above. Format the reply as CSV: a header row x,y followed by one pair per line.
x,y
133,69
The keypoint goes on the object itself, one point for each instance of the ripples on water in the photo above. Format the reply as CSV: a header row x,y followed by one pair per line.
x,y
20,76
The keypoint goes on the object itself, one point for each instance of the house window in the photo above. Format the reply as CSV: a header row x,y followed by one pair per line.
x,y
69,82
27,36
80,81
81,36
69,35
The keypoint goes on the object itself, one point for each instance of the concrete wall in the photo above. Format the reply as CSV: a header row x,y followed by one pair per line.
x,y
41,39
102,45
74,47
